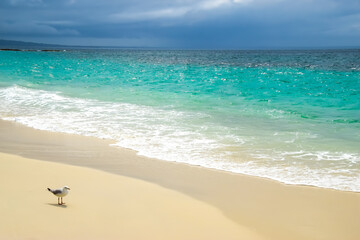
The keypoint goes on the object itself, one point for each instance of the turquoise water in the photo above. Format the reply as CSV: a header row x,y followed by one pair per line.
x,y
292,116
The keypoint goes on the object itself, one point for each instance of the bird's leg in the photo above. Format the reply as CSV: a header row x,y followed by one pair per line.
x,y
59,201
62,201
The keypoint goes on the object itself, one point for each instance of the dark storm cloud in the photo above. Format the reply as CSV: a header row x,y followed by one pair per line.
x,y
184,23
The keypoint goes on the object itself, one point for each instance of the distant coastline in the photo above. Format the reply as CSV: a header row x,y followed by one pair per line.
x,y
31,50
11,45
34,46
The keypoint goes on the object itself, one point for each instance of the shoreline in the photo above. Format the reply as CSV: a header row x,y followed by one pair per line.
x,y
272,209
107,143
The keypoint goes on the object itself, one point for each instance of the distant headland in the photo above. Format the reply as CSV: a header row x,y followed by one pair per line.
x,y
10,45
31,50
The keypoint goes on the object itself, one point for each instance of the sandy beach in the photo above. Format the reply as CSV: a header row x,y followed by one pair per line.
x,y
116,194
101,206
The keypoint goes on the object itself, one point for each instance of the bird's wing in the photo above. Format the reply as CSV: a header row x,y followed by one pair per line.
x,y
56,191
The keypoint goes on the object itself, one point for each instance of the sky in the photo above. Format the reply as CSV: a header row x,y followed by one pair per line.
x,y
184,24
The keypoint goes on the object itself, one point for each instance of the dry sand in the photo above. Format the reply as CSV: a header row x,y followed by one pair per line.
x,y
141,198
100,206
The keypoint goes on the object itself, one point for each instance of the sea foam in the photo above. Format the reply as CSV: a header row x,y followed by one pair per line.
x,y
182,136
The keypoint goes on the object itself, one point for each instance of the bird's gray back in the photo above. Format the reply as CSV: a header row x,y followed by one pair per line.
x,y
56,191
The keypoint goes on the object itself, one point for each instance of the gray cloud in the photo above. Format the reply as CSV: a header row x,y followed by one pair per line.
x,y
33,28
184,23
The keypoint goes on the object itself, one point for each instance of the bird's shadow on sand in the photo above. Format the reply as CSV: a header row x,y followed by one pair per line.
x,y
57,205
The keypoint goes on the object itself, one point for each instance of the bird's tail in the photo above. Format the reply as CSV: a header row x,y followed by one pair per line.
x,y
49,189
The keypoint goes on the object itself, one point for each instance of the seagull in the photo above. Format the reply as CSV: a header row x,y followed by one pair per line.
x,y
60,193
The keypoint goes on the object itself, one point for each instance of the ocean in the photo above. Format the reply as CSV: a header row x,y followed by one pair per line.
x,y
292,116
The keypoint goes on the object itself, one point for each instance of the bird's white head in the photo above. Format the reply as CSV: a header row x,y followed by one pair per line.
x,y
66,187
